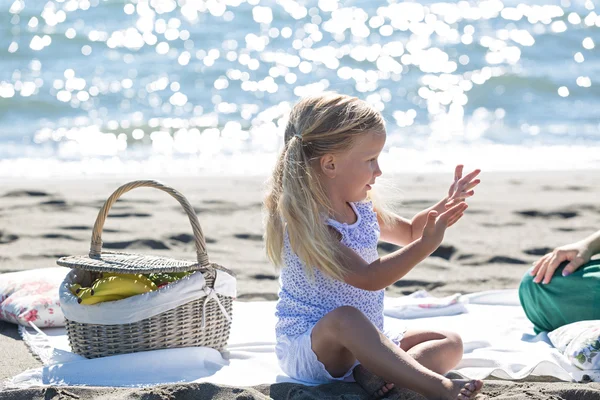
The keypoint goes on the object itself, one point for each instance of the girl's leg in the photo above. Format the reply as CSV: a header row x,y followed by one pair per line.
x,y
439,351
345,334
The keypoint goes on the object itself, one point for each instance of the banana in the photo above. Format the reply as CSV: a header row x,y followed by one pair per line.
x,y
84,294
100,299
140,277
75,288
121,286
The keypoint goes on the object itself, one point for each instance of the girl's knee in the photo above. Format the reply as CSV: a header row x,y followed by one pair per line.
x,y
454,340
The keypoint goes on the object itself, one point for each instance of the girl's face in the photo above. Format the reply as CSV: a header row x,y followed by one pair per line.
x,y
353,172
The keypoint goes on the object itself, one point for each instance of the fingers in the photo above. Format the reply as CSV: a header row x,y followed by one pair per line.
x,y
472,184
541,271
458,172
455,219
537,264
460,196
573,265
556,259
447,215
469,177
546,266
462,186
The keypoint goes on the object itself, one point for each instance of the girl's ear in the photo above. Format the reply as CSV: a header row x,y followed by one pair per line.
x,y
328,165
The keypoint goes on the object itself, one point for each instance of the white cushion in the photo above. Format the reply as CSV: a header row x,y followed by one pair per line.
x,y
579,342
32,296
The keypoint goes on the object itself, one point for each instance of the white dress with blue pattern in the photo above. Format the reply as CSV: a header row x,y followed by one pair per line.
x,y
303,302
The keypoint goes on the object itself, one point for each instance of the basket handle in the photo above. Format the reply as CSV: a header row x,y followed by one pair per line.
x,y
96,246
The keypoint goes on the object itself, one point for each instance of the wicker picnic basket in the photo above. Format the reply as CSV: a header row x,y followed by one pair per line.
x,y
181,326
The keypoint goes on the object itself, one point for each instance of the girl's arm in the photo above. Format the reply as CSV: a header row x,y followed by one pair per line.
x,y
388,269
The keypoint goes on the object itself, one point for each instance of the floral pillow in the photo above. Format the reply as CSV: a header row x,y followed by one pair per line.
x,y
32,296
580,342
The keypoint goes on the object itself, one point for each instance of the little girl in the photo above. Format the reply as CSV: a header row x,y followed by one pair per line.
x,y
323,228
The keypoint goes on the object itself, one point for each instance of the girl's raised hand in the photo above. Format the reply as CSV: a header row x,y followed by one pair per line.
x,y
462,187
436,225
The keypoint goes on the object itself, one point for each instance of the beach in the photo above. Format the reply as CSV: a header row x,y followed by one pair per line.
x,y
512,220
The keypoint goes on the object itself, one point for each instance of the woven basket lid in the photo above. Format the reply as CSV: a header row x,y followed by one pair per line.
x,y
110,261
138,263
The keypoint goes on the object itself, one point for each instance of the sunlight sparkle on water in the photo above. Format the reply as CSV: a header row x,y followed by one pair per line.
x,y
228,91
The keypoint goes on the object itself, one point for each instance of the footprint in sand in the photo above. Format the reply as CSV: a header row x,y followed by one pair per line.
x,y
210,201
538,251
249,236
87,228
506,260
187,238
129,215
444,252
59,236
548,215
261,277
566,188
55,203
7,237
26,193
569,229
501,225
387,247
136,244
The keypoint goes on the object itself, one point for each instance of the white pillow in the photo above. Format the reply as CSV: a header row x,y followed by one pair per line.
x,y
32,296
580,342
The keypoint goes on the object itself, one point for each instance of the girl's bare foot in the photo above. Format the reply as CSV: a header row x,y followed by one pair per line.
x,y
384,389
371,383
464,389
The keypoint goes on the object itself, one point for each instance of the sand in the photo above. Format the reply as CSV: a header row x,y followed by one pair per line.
x,y
512,220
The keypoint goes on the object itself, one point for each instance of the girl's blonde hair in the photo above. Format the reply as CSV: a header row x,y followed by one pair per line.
x,y
327,123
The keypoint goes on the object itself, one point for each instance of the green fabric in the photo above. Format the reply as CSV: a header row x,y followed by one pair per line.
x,y
564,300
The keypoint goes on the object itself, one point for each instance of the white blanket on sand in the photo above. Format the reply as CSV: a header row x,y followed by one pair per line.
x,y
498,338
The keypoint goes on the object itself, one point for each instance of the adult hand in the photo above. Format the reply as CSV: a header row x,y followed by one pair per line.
x,y
462,187
577,254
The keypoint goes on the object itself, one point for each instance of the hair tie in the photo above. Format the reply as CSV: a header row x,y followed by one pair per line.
x,y
299,136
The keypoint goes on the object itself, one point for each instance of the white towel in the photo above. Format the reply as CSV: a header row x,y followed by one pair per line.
x,y
422,305
498,341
